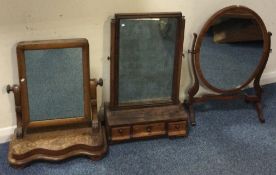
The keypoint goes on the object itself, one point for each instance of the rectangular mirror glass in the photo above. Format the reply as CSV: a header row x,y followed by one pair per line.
x,y
54,83
146,59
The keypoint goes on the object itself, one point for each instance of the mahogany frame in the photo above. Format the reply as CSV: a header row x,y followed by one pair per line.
x,y
114,59
76,131
21,91
229,93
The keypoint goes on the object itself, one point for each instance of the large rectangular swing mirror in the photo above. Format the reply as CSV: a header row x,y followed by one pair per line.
x,y
146,54
54,81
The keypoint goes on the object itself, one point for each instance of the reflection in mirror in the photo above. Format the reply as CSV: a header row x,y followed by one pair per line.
x,y
146,59
54,83
231,50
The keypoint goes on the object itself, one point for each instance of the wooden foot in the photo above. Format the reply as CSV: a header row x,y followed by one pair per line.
x,y
190,109
192,115
259,110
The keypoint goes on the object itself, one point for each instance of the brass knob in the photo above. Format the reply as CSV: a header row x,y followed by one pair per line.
x,y
148,129
120,131
100,82
9,89
177,126
13,88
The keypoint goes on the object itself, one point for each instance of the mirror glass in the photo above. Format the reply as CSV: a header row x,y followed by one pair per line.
x,y
54,83
231,50
146,59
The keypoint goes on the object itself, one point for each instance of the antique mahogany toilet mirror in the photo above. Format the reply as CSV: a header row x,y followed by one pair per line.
x,y
146,53
55,102
230,52
146,59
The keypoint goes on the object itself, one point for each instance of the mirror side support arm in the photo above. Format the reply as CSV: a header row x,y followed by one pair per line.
x,y
18,108
93,101
257,86
256,83
194,89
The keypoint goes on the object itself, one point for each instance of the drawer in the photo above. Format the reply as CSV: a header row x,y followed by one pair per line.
x,y
148,130
177,128
120,133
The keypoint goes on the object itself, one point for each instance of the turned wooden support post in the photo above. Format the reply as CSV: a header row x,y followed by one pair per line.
x,y
93,100
18,109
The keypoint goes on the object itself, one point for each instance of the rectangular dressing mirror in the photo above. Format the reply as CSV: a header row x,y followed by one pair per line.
x,y
55,103
55,80
146,59
146,54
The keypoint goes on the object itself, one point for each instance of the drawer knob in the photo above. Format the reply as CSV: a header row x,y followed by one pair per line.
x,y
148,128
120,131
177,126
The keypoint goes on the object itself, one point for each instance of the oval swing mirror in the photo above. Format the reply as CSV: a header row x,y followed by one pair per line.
x,y
230,52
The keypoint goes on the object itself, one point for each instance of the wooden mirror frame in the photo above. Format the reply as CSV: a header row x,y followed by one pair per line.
x,y
21,91
114,59
144,120
226,94
56,139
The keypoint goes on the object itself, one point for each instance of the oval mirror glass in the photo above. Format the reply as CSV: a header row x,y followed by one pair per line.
x,y
231,50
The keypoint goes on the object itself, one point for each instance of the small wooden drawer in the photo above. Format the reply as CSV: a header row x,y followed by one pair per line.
x,y
148,130
177,129
120,133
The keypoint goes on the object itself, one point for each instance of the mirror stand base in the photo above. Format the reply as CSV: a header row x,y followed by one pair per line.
x,y
56,146
254,99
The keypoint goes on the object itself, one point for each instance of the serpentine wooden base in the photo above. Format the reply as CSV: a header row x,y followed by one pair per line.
x,y
57,146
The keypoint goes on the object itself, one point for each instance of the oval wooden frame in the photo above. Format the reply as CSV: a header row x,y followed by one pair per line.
x,y
227,94
202,33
